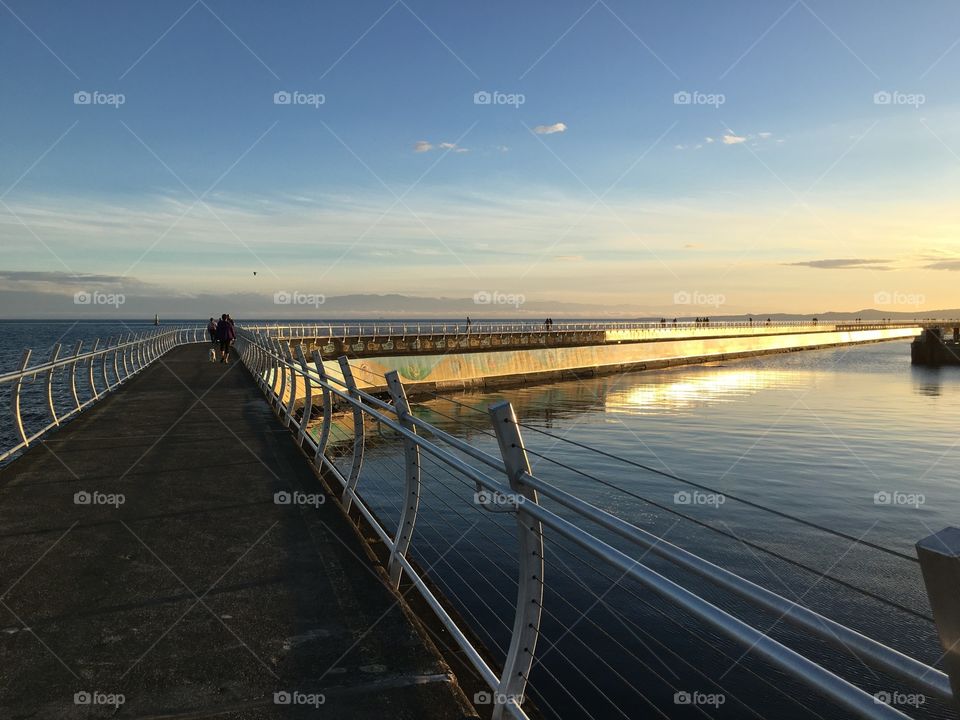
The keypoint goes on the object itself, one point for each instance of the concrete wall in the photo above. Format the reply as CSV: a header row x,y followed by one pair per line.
x,y
503,366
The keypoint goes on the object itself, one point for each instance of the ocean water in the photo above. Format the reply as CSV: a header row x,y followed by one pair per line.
x,y
854,440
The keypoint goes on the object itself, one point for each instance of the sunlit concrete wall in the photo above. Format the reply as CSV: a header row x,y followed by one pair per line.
x,y
490,367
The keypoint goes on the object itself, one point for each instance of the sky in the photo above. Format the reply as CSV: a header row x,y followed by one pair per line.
x,y
607,157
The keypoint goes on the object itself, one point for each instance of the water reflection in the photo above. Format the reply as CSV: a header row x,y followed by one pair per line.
x,y
719,385
927,380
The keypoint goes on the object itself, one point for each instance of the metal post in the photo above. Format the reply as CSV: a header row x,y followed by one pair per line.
x,y
15,401
291,366
93,386
73,374
54,354
126,350
307,395
526,623
327,407
116,366
358,435
278,362
103,366
411,497
939,556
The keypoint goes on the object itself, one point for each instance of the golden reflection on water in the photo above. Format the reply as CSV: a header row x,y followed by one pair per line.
x,y
691,390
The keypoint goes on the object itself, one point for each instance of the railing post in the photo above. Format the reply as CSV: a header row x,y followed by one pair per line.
x,y
327,408
307,396
54,354
358,435
116,366
411,496
15,400
73,374
123,356
526,623
278,370
93,385
291,366
103,366
939,556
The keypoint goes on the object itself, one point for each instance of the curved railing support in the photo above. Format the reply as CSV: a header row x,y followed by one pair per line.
x,y
15,400
51,406
411,495
359,435
526,623
327,407
307,397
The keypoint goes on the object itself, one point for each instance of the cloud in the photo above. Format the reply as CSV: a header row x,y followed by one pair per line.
x,y
708,139
844,264
733,139
765,135
550,129
943,265
568,258
426,146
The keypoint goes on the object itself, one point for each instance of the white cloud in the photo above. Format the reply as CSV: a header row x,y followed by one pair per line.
x,y
733,139
422,146
679,147
765,135
708,139
550,129
426,146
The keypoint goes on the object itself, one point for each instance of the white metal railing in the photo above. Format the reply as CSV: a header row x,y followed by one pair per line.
x,y
281,375
102,370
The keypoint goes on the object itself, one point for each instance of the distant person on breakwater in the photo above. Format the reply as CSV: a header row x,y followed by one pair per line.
x,y
212,330
225,336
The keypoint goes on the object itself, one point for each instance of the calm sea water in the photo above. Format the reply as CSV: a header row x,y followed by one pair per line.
x,y
852,439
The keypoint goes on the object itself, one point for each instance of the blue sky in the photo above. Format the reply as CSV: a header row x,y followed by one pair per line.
x,y
790,188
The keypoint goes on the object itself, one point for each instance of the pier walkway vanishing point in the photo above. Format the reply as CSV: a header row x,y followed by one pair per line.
x,y
195,543
143,555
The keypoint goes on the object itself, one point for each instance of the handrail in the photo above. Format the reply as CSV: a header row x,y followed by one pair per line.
x,y
269,363
118,363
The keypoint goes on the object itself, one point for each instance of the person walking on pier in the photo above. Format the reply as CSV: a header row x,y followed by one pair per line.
x,y
212,330
225,336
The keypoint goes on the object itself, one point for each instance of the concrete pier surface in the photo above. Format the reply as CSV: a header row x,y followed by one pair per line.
x,y
144,555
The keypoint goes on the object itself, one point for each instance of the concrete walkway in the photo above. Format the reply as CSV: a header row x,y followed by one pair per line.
x,y
198,596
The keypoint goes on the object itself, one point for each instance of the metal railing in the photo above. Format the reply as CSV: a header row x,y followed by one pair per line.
x,y
291,331
93,373
510,487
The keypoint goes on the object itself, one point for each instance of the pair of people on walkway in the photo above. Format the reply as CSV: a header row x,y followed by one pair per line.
x,y
223,333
